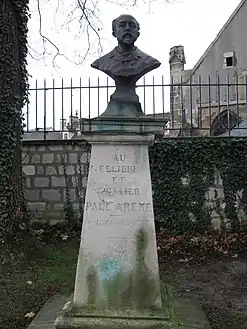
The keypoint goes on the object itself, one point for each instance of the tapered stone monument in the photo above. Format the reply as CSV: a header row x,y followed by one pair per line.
x,y
117,279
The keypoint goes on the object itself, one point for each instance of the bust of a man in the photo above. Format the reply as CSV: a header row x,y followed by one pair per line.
x,y
125,64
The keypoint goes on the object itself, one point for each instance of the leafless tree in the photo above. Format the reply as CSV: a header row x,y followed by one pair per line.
x,y
87,14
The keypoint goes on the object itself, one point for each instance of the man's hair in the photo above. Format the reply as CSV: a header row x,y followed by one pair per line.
x,y
114,22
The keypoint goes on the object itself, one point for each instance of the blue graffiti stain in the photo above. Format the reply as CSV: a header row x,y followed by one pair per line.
x,y
109,268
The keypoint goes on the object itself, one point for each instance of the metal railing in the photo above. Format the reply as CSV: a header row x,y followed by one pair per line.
x,y
200,106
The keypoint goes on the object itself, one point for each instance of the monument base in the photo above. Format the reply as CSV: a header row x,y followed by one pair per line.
x,y
182,313
117,279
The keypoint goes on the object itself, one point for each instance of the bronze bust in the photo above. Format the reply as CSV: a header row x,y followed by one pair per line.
x,y
125,64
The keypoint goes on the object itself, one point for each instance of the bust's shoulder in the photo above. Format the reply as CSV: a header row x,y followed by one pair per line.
x,y
146,58
103,59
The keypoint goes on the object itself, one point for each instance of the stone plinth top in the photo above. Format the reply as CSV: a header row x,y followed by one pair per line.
x,y
103,138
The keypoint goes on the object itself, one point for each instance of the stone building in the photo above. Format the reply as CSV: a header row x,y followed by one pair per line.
x,y
210,98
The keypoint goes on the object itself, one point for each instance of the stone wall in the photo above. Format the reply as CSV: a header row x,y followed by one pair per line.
x,y
46,184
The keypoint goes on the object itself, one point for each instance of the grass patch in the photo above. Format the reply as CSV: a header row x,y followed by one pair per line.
x,y
25,287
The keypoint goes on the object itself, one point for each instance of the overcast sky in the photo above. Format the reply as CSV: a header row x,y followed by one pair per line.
x,y
191,23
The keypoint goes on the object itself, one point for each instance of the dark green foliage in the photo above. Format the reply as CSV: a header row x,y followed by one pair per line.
x,y
73,218
14,220
69,213
196,159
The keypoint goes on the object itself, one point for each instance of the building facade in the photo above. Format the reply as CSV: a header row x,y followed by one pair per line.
x,y
210,98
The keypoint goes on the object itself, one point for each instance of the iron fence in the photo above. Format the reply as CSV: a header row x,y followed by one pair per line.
x,y
199,106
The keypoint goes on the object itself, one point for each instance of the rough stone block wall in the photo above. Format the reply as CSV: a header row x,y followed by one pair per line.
x,y
45,182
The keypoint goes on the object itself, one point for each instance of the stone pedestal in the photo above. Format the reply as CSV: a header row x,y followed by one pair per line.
x,y
117,264
118,235
117,280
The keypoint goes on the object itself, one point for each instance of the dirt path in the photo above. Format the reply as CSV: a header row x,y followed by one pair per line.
x,y
220,286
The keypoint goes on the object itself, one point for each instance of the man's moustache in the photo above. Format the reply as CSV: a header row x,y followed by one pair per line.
x,y
127,33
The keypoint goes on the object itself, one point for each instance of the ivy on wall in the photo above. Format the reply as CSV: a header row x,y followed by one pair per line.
x,y
13,95
182,172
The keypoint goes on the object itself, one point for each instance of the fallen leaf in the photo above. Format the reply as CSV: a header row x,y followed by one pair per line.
x,y
29,315
64,237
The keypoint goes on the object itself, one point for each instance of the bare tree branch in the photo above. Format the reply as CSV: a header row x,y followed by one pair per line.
x,y
44,39
87,14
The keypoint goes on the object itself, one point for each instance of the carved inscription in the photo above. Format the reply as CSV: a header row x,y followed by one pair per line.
x,y
117,221
116,169
120,157
115,198
119,207
117,180
117,191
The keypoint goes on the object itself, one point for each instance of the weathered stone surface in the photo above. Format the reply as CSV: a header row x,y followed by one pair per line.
x,y
39,206
48,158
40,170
28,182
41,148
60,158
176,313
53,215
58,206
84,158
51,171
36,158
73,158
51,195
31,148
70,170
46,317
41,173
29,170
33,195
118,210
56,147
41,182
187,312
58,181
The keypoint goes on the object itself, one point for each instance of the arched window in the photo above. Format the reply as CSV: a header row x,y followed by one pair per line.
x,y
224,121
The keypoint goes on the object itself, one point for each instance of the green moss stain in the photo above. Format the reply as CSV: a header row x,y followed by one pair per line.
x,y
113,288
92,285
146,288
